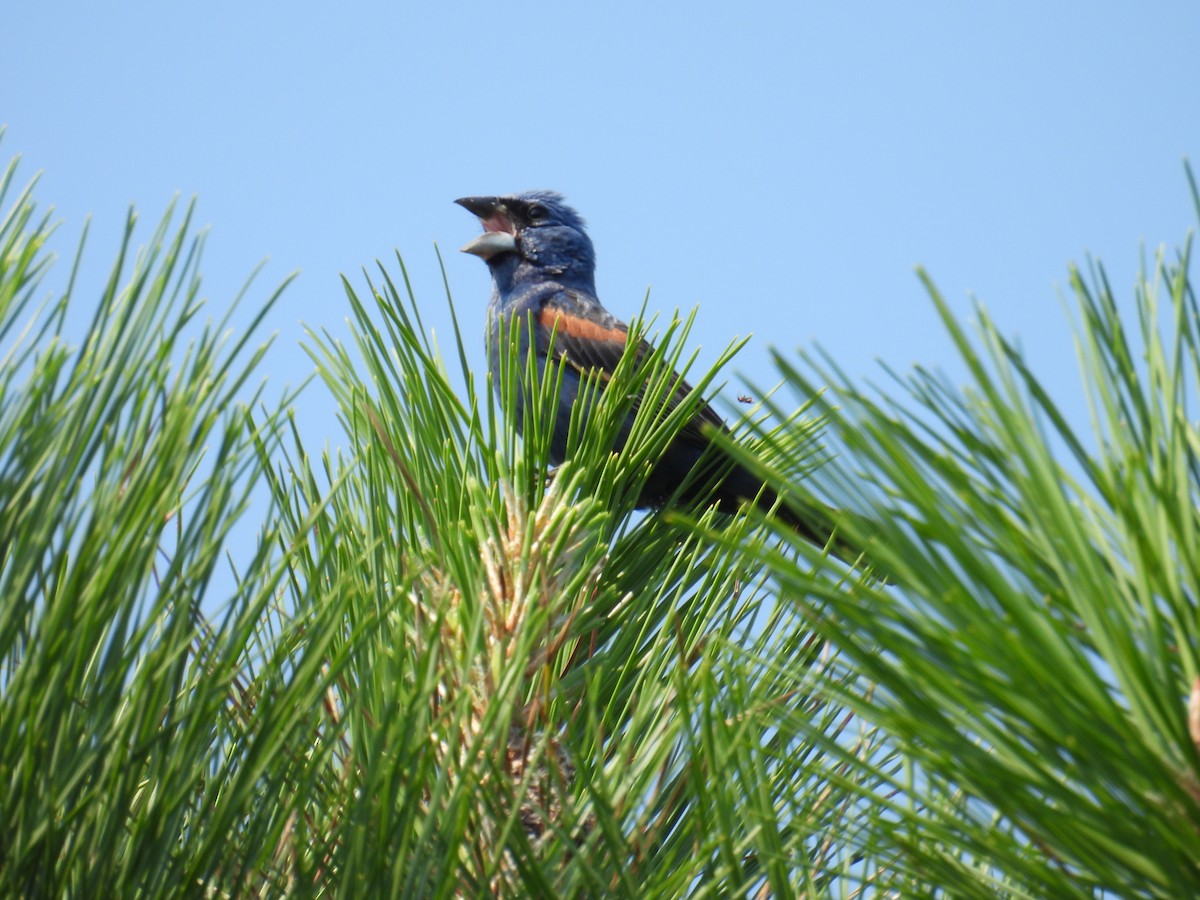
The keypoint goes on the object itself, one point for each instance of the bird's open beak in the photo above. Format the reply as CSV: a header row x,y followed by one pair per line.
x,y
499,234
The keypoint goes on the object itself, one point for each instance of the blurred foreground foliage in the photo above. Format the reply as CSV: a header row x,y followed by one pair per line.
x,y
440,670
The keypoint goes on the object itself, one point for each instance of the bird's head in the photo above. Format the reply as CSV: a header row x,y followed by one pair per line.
x,y
533,235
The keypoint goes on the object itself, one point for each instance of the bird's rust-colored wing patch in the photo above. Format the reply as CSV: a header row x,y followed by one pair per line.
x,y
577,327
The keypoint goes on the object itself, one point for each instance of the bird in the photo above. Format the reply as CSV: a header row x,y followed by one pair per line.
x,y
543,265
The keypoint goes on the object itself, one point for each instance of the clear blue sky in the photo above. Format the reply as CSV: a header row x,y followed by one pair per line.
x,y
782,166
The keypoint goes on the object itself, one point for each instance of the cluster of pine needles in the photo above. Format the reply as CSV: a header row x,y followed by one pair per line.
x,y
427,665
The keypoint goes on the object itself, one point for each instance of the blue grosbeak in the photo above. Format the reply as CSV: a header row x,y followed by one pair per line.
x,y
543,272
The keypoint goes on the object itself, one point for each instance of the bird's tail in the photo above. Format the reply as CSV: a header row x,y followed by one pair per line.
x,y
844,536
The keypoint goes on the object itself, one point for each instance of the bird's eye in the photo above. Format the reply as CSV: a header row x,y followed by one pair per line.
x,y
536,212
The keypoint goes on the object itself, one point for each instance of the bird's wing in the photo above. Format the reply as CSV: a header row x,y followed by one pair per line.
x,y
590,339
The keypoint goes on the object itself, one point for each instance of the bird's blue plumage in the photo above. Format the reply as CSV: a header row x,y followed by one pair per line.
x,y
547,279
543,274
